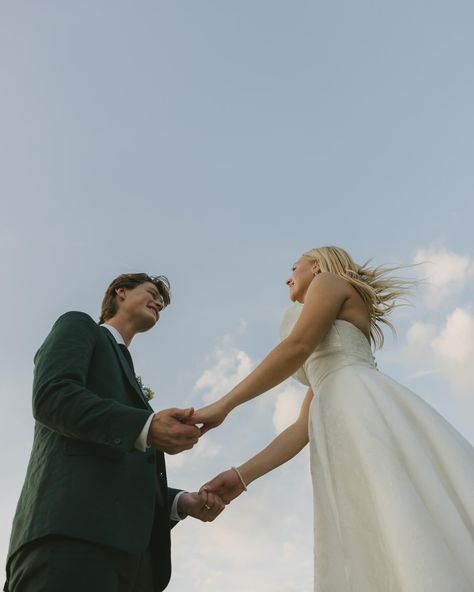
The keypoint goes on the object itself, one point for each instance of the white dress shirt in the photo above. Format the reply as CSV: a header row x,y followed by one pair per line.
x,y
141,442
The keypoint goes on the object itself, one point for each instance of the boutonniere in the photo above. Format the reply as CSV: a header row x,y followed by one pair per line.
x,y
146,390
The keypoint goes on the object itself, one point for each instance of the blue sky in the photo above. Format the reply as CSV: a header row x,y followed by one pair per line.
x,y
214,142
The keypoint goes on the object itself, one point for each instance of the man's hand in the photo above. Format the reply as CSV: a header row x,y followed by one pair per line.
x,y
169,432
203,505
226,485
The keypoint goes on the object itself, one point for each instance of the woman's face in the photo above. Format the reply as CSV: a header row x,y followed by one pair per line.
x,y
303,272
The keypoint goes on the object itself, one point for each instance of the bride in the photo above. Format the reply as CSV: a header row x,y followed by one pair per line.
x,y
393,481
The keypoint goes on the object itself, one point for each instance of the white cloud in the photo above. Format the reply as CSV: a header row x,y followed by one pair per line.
x,y
417,352
448,349
287,406
445,272
454,348
207,448
252,533
229,367
419,334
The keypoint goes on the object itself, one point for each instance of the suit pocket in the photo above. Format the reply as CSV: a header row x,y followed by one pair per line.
x,y
73,447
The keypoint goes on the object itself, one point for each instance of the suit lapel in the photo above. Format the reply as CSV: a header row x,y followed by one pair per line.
x,y
126,369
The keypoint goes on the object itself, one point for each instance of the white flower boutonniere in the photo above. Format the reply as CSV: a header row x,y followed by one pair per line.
x,y
146,390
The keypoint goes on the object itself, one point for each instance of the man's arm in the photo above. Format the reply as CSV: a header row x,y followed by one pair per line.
x,y
61,399
63,403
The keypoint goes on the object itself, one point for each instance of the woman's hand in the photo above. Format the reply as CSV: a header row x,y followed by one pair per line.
x,y
227,486
210,416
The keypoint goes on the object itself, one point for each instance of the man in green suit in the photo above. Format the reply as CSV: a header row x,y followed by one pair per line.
x,y
95,511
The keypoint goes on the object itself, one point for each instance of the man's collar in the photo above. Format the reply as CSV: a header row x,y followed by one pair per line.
x,y
115,333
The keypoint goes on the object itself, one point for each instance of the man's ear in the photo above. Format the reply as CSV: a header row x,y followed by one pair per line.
x,y
120,293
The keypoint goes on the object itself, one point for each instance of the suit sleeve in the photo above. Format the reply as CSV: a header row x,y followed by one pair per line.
x,y
61,399
172,493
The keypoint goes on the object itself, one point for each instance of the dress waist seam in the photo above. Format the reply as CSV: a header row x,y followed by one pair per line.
x,y
351,364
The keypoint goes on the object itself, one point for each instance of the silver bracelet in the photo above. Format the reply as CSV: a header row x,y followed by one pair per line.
x,y
240,477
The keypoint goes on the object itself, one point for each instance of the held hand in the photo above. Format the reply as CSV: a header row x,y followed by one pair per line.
x,y
203,506
226,485
210,416
170,431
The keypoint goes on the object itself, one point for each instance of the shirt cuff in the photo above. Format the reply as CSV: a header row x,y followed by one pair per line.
x,y
141,442
174,508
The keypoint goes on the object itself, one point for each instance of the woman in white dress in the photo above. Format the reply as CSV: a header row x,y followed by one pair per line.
x,y
393,481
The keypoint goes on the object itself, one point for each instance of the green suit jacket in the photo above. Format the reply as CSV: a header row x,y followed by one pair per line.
x,y
85,479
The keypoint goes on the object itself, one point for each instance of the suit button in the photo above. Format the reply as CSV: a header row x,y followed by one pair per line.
x,y
117,441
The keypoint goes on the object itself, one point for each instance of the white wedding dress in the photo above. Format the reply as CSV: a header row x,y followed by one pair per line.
x,y
393,481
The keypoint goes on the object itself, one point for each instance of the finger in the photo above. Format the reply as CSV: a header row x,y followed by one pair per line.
x,y
195,417
212,485
209,501
203,496
188,432
216,510
216,505
182,414
218,501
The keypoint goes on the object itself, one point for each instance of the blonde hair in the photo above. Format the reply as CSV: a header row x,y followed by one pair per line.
x,y
380,291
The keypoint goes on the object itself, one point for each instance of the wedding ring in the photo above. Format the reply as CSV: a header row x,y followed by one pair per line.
x,y
207,507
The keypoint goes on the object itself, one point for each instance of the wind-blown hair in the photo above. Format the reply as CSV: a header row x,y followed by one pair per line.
x,y
380,291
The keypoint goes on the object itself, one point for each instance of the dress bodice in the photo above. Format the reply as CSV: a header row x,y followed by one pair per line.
x,y
343,345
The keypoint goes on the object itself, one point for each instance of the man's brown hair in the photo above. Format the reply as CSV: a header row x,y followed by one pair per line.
x,y
130,281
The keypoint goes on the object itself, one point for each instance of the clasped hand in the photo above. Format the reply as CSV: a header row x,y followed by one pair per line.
x,y
170,431
203,505
175,430
210,416
212,498
227,485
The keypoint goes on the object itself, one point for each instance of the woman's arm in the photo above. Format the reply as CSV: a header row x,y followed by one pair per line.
x,y
285,446
324,299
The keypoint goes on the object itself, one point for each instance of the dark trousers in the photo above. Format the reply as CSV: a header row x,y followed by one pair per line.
x,y
62,564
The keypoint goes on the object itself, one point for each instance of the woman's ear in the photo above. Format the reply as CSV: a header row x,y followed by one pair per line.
x,y
316,269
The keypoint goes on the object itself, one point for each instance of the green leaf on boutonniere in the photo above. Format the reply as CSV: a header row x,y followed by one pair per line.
x,y
146,390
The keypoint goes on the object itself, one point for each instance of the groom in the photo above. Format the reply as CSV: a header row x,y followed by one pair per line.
x,y
95,511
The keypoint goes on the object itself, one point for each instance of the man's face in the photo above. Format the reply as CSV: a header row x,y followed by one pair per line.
x,y
141,305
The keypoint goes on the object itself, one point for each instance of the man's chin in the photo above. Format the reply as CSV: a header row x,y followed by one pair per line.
x,y
147,324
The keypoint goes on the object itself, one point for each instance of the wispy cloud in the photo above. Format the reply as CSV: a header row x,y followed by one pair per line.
x,y
229,366
206,449
445,273
248,531
454,348
446,348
